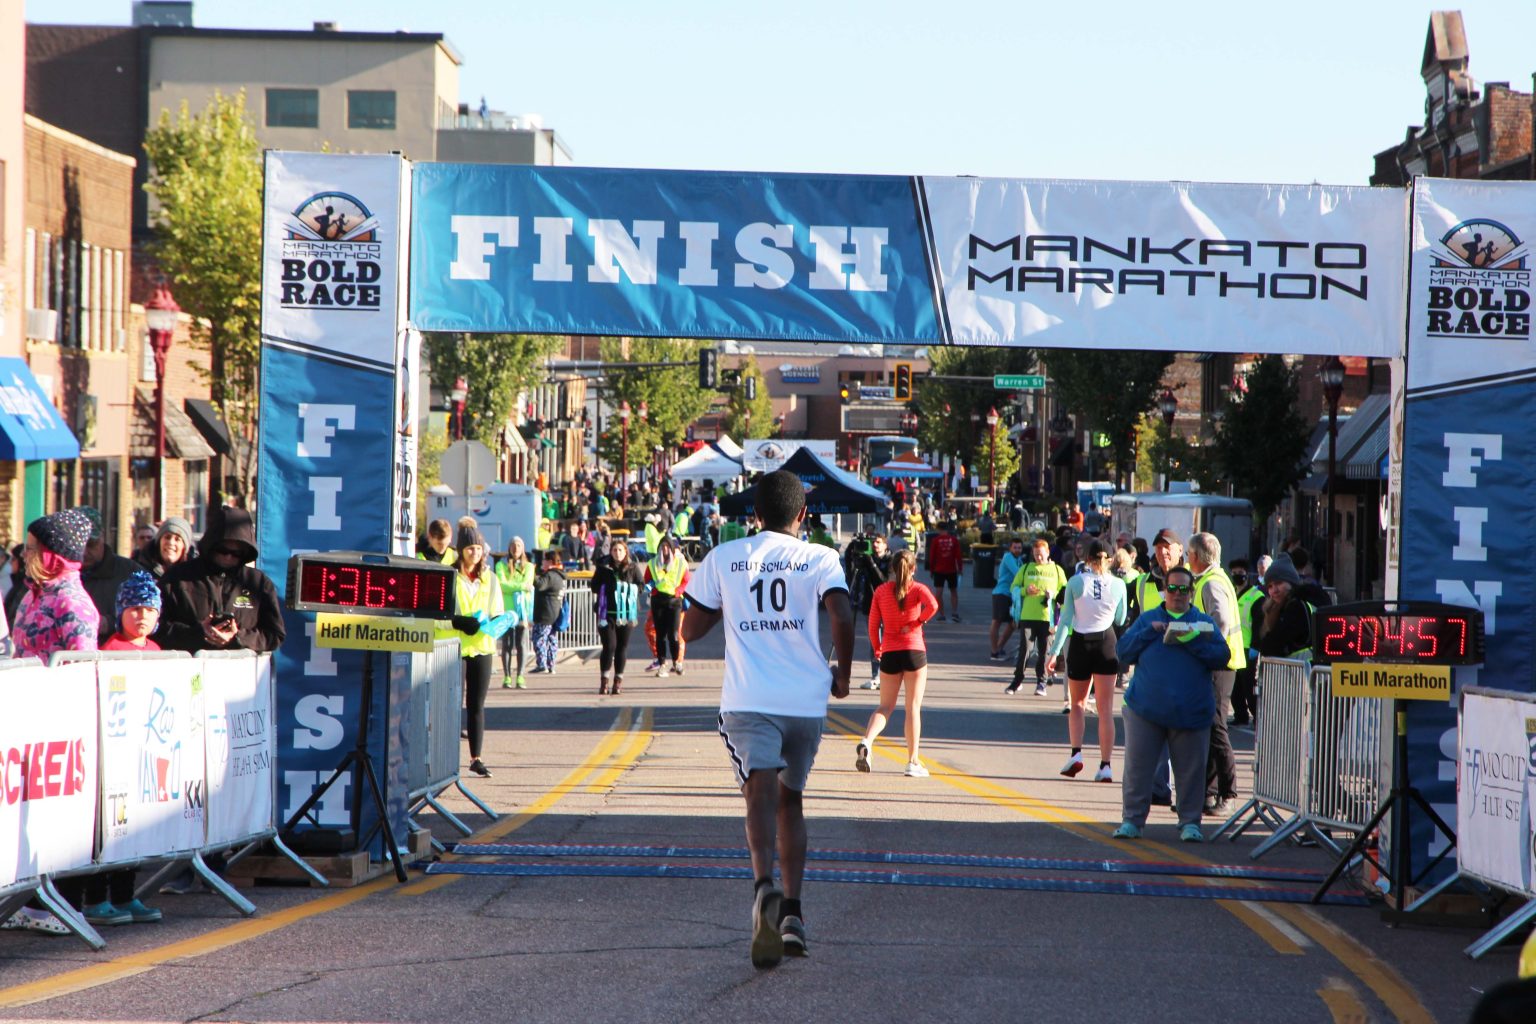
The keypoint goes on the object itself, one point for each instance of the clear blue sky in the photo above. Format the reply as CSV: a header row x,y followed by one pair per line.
x,y
1211,91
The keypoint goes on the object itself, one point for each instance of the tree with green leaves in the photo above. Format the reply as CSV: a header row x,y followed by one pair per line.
x,y
205,180
1109,391
1261,444
497,368
1006,456
745,419
944,407
672,395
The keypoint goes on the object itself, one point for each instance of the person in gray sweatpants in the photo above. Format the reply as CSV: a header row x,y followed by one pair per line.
x,y
1175,648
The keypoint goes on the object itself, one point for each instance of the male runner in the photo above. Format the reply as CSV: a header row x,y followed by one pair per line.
x,y
767,588
946,562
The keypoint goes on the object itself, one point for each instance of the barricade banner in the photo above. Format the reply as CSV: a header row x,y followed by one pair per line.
x,y
1149,265
1469,440
1494,798
153,790
238,702
48,770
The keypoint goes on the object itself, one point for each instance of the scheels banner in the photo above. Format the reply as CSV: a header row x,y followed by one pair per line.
x,y
915,260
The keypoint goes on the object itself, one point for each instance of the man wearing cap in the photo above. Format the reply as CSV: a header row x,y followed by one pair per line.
x,y
102,572
219,600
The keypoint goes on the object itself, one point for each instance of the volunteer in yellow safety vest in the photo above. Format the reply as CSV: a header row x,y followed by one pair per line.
x,y
1216,597
1146,590
1249,593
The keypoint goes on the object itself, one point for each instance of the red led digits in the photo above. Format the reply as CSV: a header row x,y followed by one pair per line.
x,y
1334,644
319,583
1424,633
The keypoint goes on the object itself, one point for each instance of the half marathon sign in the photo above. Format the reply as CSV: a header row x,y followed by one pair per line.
x,y
970,261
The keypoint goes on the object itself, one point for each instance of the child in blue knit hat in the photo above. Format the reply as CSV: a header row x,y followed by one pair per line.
x,y
138,613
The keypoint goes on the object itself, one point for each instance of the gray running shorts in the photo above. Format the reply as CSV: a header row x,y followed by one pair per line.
x,y
779,743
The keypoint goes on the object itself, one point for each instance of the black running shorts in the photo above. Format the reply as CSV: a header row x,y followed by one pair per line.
x,y
1091,654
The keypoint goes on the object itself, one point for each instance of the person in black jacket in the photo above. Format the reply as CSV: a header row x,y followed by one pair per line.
x,y
218,601
548,596
102,572
615,619
871,567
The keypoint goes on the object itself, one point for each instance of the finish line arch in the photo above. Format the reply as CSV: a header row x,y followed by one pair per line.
x,y
361,252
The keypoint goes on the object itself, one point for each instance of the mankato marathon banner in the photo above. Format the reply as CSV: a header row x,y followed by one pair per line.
x,y
1170,266
1467,448
337,458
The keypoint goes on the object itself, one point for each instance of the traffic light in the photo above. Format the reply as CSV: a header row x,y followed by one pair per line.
x,y
843,392
709,369
903,382
751,386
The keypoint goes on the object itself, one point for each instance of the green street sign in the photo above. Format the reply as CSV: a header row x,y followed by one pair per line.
x,y
1018,381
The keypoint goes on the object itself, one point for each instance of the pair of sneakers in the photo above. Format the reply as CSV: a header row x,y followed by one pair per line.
x,y
775,934
133,912
1075,765
1188,834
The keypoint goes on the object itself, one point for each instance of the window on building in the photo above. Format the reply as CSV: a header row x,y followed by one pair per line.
x,y
63,485
98,489
195,503
293,108
370,108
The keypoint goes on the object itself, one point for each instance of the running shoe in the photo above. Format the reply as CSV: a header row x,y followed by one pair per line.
x,y
478,767
792,931
1191,834
522,682
663,672
873,684
861,757
1103,774
653,666
954,618
996,655
1040,690
916,770
1073,766
1126,831
767,943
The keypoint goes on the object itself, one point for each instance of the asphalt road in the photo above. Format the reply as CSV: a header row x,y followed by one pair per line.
x,y
998,941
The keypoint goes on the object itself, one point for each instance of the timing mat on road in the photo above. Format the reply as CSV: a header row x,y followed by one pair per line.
x,y
1006,882
961,860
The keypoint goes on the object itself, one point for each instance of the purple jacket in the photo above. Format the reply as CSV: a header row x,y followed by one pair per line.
x,y
57,616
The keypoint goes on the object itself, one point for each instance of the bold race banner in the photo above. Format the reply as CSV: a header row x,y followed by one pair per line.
x,y
1468,446
337,459
1494,826
153,792
48,769
917,260
237,699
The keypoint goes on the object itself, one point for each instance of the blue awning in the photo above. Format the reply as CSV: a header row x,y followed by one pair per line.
x,y
31,429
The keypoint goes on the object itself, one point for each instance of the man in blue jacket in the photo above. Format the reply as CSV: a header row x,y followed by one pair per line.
x,y
1174,648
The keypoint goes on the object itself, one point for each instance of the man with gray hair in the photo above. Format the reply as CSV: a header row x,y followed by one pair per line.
x,y
1215,596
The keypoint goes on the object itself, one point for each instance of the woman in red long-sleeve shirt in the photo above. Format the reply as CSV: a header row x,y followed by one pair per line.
x,y
896,617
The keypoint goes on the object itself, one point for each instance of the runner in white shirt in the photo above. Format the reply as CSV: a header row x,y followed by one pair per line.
x,y
1094,604
767,589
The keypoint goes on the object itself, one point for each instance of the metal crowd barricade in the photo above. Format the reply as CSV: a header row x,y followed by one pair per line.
x,y
1321,763
582,634
437,694
1351,769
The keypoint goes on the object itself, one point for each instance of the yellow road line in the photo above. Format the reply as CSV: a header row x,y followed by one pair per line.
x,y
1389,986
640,738
1342,1003
122,967
1250,916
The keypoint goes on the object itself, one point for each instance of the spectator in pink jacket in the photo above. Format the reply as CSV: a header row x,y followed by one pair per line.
x,y
56,614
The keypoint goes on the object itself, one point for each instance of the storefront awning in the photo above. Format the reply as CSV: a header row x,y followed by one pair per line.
x,y
205,417
31,429
1361,442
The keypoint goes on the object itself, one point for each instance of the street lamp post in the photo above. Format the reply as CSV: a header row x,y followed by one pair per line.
x,y
160,313
459,394
1332,374
624,443
1169,406
992,455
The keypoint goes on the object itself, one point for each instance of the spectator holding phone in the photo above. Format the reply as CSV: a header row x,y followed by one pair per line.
x,y
219,601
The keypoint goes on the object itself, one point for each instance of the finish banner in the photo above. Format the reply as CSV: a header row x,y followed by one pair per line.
x,y
1494,824
1468,445
1011,262
48,766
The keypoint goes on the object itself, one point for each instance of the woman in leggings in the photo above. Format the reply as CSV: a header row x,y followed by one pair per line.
x,y
666,573
896,616
1093,606
616,586
515,574
476,589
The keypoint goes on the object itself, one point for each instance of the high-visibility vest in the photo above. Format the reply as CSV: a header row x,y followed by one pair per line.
x,y
1147,594
669,577
1245,602
1215,574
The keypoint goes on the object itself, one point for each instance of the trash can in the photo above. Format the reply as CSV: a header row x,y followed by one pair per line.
x,y
984,557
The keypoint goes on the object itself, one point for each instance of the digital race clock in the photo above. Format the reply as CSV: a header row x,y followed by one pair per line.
x,y
353,581
1398,633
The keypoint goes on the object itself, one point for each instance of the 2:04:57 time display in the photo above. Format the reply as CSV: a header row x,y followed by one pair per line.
x,y
1396,637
